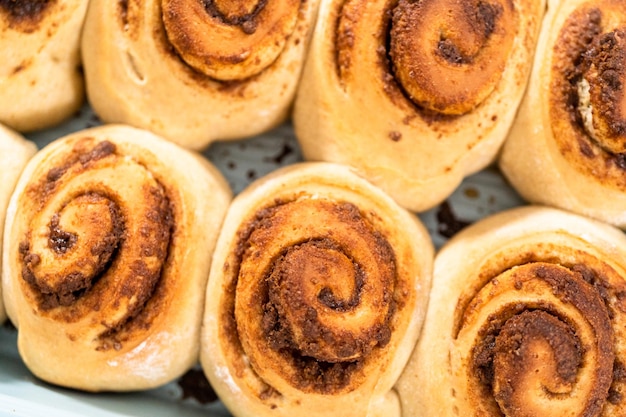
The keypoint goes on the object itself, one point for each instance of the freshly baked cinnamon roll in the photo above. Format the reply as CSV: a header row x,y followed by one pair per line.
x,y
196,71
15,151
415,94
108,245
41,81
526,318
567,147
316,296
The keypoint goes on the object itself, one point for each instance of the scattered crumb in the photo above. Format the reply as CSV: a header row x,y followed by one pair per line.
x,y
195,385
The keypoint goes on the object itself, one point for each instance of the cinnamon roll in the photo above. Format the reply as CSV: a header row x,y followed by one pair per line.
x,y
108,242
316,297
15,151
567,147
526,318
415,95
195,71
41,81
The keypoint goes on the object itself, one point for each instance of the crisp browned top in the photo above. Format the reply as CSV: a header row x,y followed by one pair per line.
x,y
448,55
24,15
229,40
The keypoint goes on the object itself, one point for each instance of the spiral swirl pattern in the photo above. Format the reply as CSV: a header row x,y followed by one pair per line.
x,y
447,77
97,271
448,56
443,56
319,306
229,40
233,65
567,146
586,92
533,322
92,247
317,295
549,349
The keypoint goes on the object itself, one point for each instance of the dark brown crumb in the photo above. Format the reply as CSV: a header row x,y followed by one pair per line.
x,y
471,192
195,385
286,150
448,224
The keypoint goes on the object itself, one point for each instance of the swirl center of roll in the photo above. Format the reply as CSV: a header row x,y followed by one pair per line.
x,y
236,13
311,288
544,343
86,232
534,352
98,240
316,289
449,55
601,91
229,40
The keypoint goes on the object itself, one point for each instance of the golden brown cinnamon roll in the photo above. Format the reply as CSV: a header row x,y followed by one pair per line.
x,y
316,296
196,71
15,151
526,318
41,81
415,94
567,147
108,242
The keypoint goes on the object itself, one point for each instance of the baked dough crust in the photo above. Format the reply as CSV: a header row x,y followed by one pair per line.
x,y
41,80
108,245
353,108
525,313
349,272
138,72
15,151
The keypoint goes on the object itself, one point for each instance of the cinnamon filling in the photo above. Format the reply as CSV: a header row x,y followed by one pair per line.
x,y
95,245
229,40
291,323
587,97
448,56
60,241
241,13
62,286
603,73
322,301
532,357
484,19
539,344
